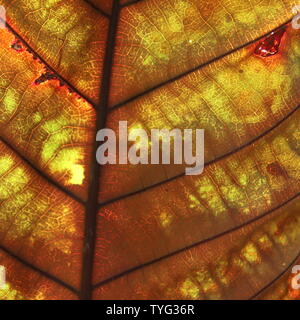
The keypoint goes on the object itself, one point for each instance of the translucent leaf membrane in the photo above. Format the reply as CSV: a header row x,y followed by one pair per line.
x,y
46,123
234,266
234,100
282,288
225,234
25,284
69,35
38,223
189,209
104,5
159,39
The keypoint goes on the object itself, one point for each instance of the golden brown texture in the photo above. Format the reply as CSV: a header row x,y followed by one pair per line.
x,y
228,233
234,190
160,39
235,100
234,266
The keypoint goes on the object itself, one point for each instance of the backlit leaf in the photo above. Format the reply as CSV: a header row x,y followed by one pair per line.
x,y
71,229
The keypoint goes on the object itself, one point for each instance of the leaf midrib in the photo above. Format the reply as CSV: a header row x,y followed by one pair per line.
x,y
92,203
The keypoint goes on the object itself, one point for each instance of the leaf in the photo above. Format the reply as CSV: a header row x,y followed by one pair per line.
x,y
76,230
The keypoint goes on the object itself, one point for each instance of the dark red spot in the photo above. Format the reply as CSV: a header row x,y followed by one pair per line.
x,y
276,170
61,83
270,45
45,77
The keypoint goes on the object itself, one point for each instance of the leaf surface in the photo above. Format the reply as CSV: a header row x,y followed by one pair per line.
x,y
71,229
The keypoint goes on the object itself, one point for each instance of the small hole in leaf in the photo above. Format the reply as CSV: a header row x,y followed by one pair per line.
x,y
18,46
